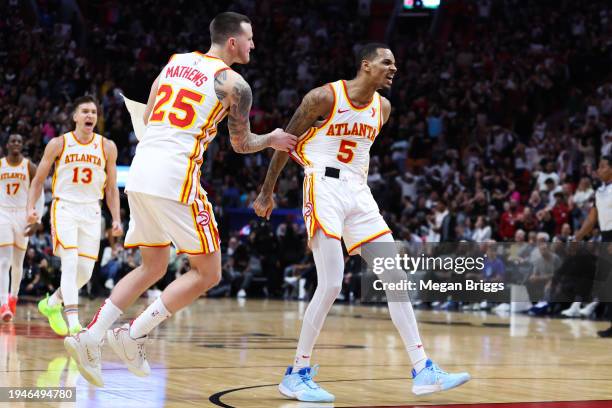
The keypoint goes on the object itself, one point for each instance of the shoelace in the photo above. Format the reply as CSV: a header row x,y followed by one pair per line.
x,y
308,376
437,371
141,351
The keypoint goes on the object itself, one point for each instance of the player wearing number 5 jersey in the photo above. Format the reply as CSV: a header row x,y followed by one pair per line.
x,y
338,204
191,95
85,172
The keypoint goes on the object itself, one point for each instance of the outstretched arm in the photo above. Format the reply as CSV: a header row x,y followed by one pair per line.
x,y
317,103
235,94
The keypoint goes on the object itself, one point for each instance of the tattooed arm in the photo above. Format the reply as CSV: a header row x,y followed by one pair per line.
x,y
317,103
235,94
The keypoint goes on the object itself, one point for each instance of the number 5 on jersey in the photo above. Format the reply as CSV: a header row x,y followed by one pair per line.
x,y
345,152
182,103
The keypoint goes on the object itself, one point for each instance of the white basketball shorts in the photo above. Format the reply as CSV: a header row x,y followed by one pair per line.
x,y
158,222
12,227
76,226
342,207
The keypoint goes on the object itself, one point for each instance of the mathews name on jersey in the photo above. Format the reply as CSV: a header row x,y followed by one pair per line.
x,y
182,123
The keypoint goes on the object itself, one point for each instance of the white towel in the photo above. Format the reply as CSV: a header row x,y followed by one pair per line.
x,y
136,110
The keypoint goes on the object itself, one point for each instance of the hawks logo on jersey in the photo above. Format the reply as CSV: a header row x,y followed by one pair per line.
x,y
343,141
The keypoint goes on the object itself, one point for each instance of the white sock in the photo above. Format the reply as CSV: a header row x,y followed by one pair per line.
x,y
149,319
327,254
72,314
404,320
16,271
68,281
54,299
103,320
400,307
6,253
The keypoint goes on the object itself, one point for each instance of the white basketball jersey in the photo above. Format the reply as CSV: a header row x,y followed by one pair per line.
x,y
603,202
80,170
183,121
14,184
343,141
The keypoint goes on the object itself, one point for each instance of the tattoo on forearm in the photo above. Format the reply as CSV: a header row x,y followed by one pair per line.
x,y
307,113
238,125
277,164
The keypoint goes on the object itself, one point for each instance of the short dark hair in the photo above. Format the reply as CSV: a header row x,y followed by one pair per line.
x,y
83,99
608,158
369,52
226,25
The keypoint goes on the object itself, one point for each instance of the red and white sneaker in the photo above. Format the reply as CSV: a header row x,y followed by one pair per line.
x,y
12,302
131,351
87,354
5,313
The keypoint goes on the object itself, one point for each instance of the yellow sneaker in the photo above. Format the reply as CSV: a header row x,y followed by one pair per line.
x,y
54,314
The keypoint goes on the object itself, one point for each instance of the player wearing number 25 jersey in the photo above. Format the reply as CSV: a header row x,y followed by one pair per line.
x,y
192,93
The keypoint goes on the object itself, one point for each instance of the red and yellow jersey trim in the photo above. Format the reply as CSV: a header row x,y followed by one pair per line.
x,y
58,160
368,239
299,156
195,153
76,139
313,222
348,99
94,257
147,245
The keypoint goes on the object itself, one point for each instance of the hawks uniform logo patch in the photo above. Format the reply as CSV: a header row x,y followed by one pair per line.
x,y
307,209
203,218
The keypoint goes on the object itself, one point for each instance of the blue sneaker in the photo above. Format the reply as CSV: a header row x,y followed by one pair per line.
x,y
301,387
433,379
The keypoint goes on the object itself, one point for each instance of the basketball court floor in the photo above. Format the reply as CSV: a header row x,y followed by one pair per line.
x,y
233,353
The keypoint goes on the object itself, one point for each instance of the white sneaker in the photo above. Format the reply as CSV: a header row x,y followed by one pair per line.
x,y
109,284
502,308
87,354
588,309
572,311
130,351
241,293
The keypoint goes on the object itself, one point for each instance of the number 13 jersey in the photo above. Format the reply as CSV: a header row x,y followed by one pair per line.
x,y
80,170
182,123
343,141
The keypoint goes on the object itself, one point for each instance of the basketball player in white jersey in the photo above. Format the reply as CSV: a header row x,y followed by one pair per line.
x,y
601,213
338,204
85,172
16,173
191,95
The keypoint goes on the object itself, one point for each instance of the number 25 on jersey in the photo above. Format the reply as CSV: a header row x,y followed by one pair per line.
x,y
183,115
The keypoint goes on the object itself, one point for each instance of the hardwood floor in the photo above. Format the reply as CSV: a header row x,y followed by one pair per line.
x,y
233,353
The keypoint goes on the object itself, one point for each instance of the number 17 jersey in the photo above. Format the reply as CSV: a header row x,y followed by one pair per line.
x,y
182,123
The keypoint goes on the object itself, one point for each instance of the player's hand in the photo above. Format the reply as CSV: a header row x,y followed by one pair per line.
x,y
31,229
117,229
32,217
263,205
280,140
